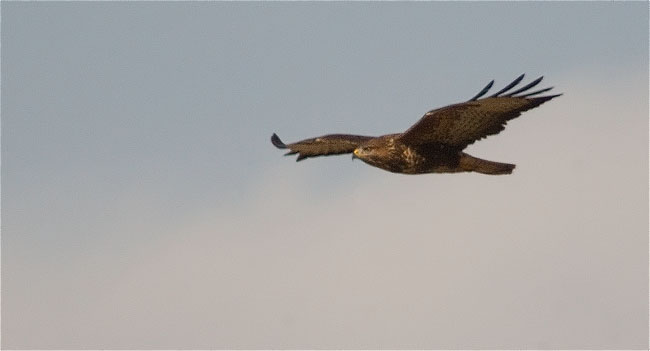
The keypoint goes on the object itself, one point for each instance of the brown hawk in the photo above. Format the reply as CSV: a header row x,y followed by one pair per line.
x,y
435,143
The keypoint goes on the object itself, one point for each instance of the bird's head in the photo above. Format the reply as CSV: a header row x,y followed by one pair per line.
x,y
362,152
372,151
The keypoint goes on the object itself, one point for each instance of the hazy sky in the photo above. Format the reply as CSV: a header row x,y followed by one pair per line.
x,y
143,205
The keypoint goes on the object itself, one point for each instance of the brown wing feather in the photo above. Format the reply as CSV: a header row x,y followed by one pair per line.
x,y
462,124
333,144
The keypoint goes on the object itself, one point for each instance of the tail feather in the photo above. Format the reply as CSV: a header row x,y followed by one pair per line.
x,y
475,164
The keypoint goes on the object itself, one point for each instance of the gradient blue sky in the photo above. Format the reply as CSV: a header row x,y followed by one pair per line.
x,y
143,205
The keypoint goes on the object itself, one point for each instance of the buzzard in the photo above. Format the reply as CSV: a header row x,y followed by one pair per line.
x,y
435,143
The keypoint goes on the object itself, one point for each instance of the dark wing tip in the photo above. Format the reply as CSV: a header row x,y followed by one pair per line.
x,y
509,86
549,97
483,91
275,139
527,95
538,100
526,87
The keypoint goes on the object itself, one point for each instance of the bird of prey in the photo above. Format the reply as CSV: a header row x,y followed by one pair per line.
x,y
435,143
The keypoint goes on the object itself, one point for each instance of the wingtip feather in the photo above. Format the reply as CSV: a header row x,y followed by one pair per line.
x,y
509,86
549,97
537,92
483,91
275,140
526,87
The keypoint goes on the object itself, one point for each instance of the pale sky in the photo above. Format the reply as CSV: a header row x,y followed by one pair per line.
x,y
143,205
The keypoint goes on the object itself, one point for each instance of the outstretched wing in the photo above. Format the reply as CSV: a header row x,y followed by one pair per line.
x,y
333,144
462,124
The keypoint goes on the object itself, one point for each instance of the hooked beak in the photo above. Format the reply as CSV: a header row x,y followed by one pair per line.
x,y
354,154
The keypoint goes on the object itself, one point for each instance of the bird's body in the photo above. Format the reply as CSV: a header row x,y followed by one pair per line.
x,y
389,153
435,143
